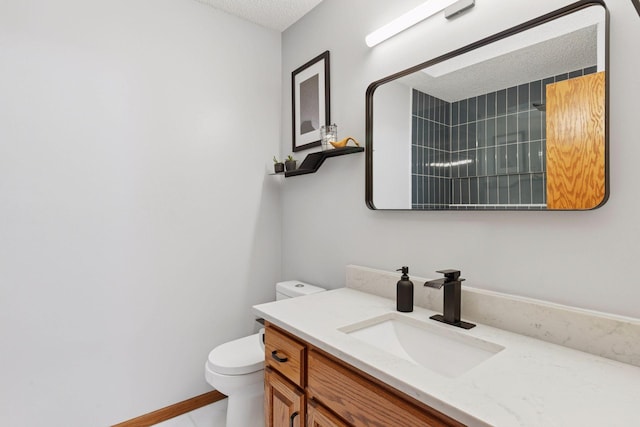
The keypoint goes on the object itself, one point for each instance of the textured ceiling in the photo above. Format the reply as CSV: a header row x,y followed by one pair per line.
x,y
274,14
569,52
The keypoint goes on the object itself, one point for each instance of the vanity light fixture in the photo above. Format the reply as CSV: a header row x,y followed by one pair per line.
x,y
409,19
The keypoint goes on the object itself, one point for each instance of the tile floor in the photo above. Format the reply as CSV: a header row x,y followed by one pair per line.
x,y
208,416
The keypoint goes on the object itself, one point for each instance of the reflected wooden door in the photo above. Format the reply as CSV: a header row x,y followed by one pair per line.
x,y
576,142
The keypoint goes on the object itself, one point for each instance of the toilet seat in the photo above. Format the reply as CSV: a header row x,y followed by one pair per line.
x,y
238,357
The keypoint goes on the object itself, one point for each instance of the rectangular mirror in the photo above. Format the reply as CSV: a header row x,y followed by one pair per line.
x,y
516,121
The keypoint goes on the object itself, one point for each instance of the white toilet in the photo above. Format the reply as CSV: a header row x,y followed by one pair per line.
x,y
236,368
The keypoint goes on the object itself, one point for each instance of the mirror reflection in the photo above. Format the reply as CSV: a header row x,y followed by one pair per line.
x,y
518,123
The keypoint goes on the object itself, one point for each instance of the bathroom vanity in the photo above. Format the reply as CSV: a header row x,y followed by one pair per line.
x,y
310,381
343,358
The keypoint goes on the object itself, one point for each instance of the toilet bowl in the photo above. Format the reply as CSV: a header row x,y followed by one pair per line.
x,y
236,368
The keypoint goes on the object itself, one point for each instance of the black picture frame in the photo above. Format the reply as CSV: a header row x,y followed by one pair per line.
x,y
310,102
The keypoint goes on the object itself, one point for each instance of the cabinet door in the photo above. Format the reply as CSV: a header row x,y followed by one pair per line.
x,y
317,416
284,403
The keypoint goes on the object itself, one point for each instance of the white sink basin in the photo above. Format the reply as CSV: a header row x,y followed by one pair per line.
x,y
432,346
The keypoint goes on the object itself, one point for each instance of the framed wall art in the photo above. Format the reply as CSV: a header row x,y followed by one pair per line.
x,y
310,101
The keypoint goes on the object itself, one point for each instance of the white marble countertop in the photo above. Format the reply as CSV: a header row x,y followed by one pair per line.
x,y
529,383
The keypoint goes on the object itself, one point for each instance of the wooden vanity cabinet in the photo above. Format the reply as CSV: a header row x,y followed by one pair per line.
x,y
304,384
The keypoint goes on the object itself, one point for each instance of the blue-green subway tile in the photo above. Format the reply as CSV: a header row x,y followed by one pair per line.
x,y
447,138
464,191
491,105
514,189
473,190
455,113
512,158
535,156
481,161
523,158
512,129
576,73
512,99
537,189
491,132
523,126
481,107
483,195
523,97
535,92
491,161
501,130
501,102
472,167
462,138
535,125
463,111
481,133
525,189
561,77
492,189
503,189
472,109
472,139
501,159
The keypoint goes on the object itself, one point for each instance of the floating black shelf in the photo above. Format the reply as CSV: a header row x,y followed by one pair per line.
x,y
314,160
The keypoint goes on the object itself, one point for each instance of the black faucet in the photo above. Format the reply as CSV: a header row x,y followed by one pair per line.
x,y
452,298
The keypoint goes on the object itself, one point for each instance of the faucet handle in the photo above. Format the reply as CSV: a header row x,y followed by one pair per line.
x,y
451,274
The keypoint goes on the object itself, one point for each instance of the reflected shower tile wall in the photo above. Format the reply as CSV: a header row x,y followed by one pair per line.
x,y
495,144
431,152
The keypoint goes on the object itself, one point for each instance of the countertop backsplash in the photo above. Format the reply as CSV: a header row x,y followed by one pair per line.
x,y
601,334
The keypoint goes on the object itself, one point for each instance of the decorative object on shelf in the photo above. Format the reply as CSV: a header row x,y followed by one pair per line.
x,y
344,142
290,164
328,135
310,101
278,166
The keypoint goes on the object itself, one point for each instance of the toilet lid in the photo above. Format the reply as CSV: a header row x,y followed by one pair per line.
x,y
241,356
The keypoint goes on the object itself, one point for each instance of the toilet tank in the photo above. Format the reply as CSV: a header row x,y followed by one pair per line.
x,y
295,288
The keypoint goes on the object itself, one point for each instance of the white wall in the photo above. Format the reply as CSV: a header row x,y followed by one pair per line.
x,y
585,259
392,155
137,223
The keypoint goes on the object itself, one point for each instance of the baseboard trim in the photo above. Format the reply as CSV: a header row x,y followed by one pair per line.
x,y
174,410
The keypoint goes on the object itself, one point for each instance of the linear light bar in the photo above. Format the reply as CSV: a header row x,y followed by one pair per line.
x,y
407,20
450,164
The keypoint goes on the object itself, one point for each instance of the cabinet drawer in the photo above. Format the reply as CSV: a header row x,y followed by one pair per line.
x,y
285,354
362,402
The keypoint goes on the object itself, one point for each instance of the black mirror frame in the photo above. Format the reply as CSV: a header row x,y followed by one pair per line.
x,y
636,4
574,7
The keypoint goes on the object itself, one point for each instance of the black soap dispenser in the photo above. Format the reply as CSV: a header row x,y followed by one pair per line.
x,y
404,289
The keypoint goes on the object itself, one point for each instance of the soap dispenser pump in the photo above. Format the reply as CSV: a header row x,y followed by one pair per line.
x,y
404,292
